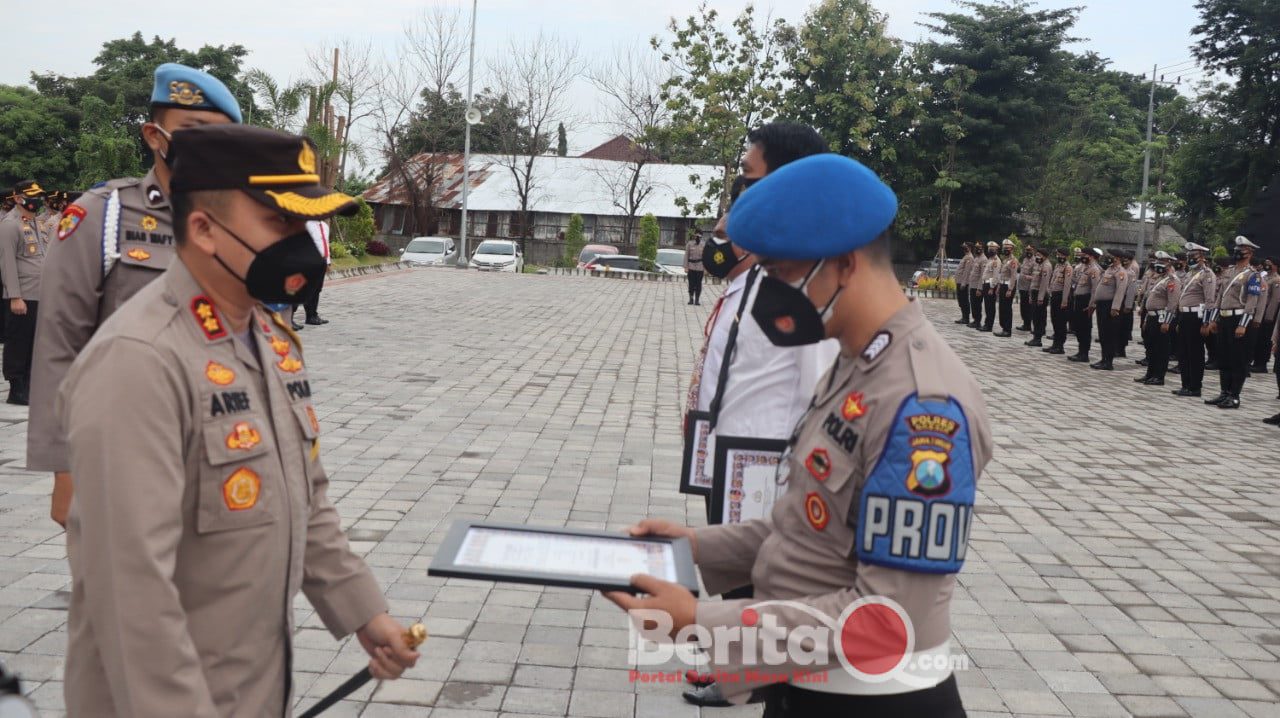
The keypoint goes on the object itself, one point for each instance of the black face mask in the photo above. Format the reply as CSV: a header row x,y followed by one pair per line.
x,y
785,314
718,259
991,252
286,272
1239,254
1161,269
1039,260
32,204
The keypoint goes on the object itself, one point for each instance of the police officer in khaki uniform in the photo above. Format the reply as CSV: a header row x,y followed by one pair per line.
x,y
843,532
1231,321
55,203
991,290
1108,296
200,507
1124,327
1060,286
1007,288
22,248
1267,320
977,288
1026,272
113,241
1041,280
1197,297
1159,313
693,268
1086,279
962,282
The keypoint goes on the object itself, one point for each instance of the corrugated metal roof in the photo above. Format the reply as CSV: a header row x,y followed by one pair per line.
x,y
562,185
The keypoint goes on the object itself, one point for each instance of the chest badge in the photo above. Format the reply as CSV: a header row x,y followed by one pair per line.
x,y
243,437
280,346
819,464
815,509
240,490
219,374
141,255
149,223
853,406
290,365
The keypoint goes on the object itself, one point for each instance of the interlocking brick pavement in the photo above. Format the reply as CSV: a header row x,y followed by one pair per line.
x,y
1125,557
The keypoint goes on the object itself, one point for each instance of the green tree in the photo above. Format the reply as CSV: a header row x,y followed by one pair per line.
x,y
724,83
650,232
106,149
574,240
562,142
276,106
37,139
356,231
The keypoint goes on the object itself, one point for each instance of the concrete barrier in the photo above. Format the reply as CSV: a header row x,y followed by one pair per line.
x,y
364,269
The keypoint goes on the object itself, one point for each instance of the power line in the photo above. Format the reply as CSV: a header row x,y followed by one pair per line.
x,y
1190,61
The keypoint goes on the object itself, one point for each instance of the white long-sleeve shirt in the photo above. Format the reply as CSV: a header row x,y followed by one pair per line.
x,y
319,231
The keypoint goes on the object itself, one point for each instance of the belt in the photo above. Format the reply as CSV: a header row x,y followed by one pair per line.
x,y
1230,312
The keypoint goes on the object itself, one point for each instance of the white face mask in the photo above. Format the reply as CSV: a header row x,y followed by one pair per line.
x,y
164,156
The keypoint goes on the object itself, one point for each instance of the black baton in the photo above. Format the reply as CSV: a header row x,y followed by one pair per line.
x,y
414,637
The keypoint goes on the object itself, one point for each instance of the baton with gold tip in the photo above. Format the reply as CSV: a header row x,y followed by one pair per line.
x,y
413,637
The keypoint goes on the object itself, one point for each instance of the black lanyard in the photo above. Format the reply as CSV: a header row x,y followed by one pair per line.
x,y
730,346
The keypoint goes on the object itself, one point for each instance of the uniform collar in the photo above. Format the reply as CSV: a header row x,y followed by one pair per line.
x,y
152,195
737,283
897,329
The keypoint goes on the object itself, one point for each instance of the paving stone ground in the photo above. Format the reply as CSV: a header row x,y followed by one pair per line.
x,y
1125,557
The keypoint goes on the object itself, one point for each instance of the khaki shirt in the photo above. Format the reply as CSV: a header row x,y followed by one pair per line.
x,y
882,424
1242,290
1026,275
1041,279
22,248
962,271
1112,286
200,512
991,272
693,256
80,293
1062,278
1131,292
1087,279
1009,276
977,270
1162,293
1199,288
1273,298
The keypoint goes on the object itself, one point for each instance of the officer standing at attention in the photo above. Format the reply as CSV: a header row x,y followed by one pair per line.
x,y
1086,278
1041,280
201,505
22,247
962,282
693,268
820,226
978,283
1231,320
1107,295
1197,297
1125,324
1008,279
1060,301
55,202
991,284
1267,324
1159,313
113,241
1026,306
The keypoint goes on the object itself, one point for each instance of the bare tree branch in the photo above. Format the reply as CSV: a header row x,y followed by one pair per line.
x,y
356,86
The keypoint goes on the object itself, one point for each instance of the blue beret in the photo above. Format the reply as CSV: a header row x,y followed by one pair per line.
x,y
187,88
820,206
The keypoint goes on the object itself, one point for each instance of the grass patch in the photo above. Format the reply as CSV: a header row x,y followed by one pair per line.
x,y
366,260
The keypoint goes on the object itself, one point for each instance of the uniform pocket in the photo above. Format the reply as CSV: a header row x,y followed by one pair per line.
x,y
237,488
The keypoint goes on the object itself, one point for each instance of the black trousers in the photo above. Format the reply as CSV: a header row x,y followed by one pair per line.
x,y
1211,347
1233,355
1026,309
975,304
1158,345
1108,328
1059,316
1039,315
962,297
791,701
695,284
1082,323
19,342
989,302
1006,307
1192,361
1262,344
1126,330
312,305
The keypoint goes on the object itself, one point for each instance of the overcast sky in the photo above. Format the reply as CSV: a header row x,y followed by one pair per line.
x,y
1134,34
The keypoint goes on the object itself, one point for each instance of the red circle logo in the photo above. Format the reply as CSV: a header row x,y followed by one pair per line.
x,y
750,616
876,638
786,325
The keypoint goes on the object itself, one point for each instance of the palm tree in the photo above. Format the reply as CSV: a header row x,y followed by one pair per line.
x,y
277,107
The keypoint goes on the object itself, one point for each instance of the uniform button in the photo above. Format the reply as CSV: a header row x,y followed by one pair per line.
x,y
170,300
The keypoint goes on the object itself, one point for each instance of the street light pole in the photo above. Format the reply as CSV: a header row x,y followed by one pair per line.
x,y
1146,167
466,143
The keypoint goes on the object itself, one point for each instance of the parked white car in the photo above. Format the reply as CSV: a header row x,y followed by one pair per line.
x,y
671,261
498,255
430,251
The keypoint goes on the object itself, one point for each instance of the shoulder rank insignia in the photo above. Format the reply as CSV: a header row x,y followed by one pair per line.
x,y
219,374
243,437
141,255
207,317
71,217
290,365
280,346
240,490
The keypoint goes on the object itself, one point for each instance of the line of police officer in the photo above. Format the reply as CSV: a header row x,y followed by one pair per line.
x,y
1186,308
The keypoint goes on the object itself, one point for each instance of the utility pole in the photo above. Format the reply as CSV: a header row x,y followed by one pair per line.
x,y
1146,163
466,143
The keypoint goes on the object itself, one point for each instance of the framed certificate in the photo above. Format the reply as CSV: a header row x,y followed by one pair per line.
x,y
699,445
744,485
550,556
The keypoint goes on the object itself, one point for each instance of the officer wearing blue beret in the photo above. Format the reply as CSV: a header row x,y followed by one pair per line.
x,y
114,240
870,533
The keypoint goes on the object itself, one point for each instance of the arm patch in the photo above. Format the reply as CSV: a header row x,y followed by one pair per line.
x,y
917,503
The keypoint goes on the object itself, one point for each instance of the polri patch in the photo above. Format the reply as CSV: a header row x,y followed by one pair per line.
x,y
71,218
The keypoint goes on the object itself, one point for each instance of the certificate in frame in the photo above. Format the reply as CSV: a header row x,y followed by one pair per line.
x,y
553,556
699,447
744,485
